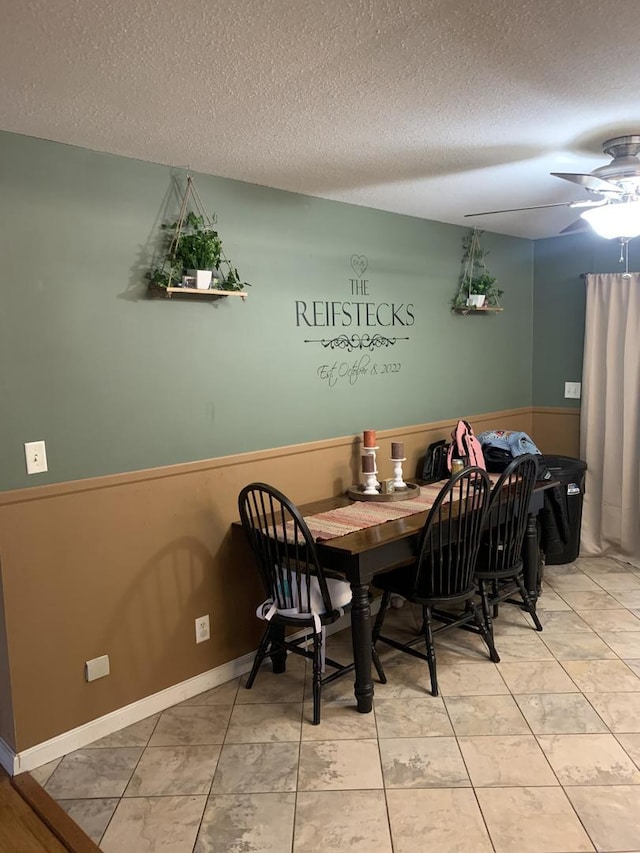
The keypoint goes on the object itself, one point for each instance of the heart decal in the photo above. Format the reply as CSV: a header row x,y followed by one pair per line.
x,y
359,263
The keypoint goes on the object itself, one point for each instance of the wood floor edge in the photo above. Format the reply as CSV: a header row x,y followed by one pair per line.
x,y
53,815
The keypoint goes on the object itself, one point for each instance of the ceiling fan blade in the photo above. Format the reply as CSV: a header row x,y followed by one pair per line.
x,y
576,225
589,182
533,207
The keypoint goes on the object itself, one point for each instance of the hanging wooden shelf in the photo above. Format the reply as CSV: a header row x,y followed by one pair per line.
x,y
194,245
159,292
469,309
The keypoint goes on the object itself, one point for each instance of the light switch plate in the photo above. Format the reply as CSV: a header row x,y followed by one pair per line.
x,y
35,454
572,390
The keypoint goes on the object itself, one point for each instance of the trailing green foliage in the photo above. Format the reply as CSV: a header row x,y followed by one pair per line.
x,y
475,278
197,247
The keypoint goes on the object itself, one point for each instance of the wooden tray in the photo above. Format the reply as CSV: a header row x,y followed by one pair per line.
x,y
356,493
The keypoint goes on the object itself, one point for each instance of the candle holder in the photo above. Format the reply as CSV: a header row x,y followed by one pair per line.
x,y
370,483
371,451
398,482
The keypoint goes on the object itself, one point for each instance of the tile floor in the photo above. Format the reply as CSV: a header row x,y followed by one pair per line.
x,y
540,752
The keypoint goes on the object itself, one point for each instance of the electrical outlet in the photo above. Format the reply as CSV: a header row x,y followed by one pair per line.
x,y
572,390
35,454
203,631
97,668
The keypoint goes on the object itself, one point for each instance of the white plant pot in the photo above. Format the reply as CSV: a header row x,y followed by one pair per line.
x,y
203,278
476,300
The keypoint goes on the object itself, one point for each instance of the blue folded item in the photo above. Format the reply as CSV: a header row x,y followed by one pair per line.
x,y
506,439
501,445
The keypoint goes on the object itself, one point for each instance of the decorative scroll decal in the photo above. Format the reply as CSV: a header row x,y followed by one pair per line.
x,y
352,342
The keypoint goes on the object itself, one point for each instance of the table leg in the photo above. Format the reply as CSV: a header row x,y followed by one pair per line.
x,y
361,639
531,557
279,658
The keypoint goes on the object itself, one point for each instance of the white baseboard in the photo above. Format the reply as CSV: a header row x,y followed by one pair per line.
x,y
123,717
7,757
60,745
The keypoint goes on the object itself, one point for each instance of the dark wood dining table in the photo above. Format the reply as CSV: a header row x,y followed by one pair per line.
x,y
359,556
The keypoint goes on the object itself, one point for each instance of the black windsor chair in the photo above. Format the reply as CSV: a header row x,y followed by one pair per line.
x,y
300,593
499,565
443,574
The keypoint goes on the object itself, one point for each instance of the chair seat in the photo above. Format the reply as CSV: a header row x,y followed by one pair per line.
x,y
339,591
401,582
486,573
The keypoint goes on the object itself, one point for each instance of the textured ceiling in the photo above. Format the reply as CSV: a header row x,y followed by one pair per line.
x,y
433,108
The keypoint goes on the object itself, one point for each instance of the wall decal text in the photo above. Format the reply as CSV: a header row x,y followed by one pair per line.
x,y
361,311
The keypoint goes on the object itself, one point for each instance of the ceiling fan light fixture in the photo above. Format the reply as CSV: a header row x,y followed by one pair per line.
x,y
620,219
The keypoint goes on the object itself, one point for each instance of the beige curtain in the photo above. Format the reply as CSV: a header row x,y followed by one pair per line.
x,y
610,422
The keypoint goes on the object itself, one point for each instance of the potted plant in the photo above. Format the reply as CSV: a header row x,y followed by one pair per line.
x,y
197,251
477,287
193,248
482,291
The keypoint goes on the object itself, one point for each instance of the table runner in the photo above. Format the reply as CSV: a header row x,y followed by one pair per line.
x,y
361,514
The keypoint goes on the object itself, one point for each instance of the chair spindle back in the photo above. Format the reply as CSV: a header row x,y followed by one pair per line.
x,y
508,513
451,536
282,546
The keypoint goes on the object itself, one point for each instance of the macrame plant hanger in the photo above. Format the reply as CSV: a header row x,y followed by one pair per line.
x,y
474,267
470,265
191,193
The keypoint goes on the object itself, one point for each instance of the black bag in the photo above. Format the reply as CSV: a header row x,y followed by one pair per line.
x,y
496,458
435,461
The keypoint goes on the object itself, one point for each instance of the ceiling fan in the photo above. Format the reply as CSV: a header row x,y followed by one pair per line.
x,y
613,210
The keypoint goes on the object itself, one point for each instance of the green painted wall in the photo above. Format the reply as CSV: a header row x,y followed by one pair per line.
x,y
559,308
114,382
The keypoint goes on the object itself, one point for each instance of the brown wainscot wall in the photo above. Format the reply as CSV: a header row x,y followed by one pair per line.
x,y
123,565
557,430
